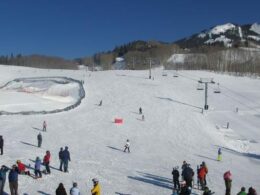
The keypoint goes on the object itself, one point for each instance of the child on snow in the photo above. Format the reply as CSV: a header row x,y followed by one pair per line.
x,y
127,146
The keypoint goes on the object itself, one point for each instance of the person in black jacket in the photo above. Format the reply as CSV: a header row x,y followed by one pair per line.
x,y
61,190
187,175
39,138
60,158
176,175
1,144
3,172
66,158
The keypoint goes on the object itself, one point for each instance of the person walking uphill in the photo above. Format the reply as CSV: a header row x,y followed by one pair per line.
x,y
39,139
3,172
13,180
46,161
96,187
66,158
228,182
1,144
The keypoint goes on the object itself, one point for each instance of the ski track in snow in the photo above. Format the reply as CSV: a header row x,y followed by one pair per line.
x,y
174,130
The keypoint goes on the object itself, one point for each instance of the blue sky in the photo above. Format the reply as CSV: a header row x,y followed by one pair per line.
x,y
77,28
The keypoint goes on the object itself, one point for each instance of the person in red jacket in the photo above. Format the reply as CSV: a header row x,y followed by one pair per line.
x,y
21,168
202,175
46,161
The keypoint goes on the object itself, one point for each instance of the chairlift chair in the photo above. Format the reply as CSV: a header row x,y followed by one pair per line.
x,y
164,74
200,86
217,89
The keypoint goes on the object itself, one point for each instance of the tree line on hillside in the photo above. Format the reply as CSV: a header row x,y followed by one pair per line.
x,y
38,61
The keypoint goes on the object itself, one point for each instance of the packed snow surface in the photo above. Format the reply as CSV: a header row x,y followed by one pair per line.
x,y
174,130
256,28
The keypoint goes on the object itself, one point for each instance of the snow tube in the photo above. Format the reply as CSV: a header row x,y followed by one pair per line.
x,y
118,120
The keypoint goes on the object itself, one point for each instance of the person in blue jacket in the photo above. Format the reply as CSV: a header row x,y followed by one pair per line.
x,y
13,180
3,172
66,158
37,168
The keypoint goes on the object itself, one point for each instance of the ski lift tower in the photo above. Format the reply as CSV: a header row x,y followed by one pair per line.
x,y
150,68
206,81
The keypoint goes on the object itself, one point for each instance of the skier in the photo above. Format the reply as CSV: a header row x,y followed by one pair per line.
x,y
206,170
1,144
13,180
127,146
176,175
66,158
140,111
39,138
242,191
37,168
228,182
61,158
96,187
46,162
187,175
22,169
202,175
251,191
44,126
61,190
100,103
219,154
74,190
3,172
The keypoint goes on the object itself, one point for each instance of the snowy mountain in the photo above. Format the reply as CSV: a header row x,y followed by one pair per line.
x,y
228,35
174,129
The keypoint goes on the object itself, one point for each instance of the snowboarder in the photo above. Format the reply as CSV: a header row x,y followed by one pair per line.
x,y
3,172
100,103
46,162
219,155
44,126
66,158
61,190
22,169
1,144
127,146
176,175
187,175
13,180
39,139
242,191
140,111
37,168
96,187
60,158
74,190
228,182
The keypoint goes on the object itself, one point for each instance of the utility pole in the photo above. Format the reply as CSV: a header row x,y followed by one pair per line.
x,y
150,69
206,81
133,63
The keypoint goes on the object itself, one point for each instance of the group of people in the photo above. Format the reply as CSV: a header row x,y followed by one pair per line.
x,y
185,186
96,190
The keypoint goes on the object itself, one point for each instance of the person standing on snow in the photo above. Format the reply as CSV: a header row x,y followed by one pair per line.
x,y
201,176
13,180
61,158
46,161
96,187
44,126
1,144
127,146
37,168
242,191
187,175
74,190
3,172
206,170
176,175
228,182
61,190
251,191
39,139
140,111
66,158
219,154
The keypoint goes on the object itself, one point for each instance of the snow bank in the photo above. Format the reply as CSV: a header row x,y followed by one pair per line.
x,y
256,28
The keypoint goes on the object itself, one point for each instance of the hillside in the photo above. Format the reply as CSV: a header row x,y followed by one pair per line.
x,y
174,130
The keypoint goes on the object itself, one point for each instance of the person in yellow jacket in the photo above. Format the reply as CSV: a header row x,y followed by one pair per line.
x,y
96,187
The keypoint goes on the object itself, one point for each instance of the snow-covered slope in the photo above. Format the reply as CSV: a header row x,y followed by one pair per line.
x,y
174,130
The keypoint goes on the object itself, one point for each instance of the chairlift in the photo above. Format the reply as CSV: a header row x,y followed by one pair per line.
x,y
200,86
217,89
